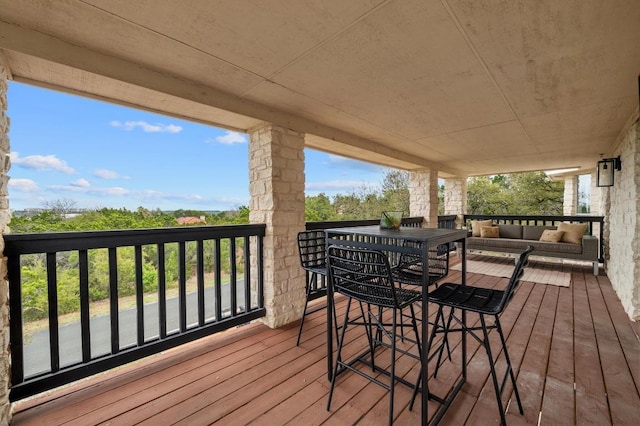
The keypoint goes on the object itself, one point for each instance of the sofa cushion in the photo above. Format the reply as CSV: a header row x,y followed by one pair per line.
x,y
551,236
489,232
510,231
476,226
534,232
573,232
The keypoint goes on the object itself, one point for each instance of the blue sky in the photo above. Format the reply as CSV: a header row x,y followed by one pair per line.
x,y
103,155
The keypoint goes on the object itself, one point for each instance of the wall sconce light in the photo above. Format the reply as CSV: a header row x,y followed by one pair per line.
x,y
606,170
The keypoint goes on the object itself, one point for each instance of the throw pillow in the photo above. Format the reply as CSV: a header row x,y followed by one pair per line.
x,y
573,232
490,232
476,226
551,236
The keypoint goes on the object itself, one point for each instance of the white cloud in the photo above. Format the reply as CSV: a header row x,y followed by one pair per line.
x,y
24,185
229,138
107,174
41,163
77,187
82,183
147,127
116,190
68,188
81,189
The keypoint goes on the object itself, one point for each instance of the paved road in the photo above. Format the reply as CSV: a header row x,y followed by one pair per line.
x,y
36,350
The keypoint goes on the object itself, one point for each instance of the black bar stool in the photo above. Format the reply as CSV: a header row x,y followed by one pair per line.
x,y
484,302
365,276
313,259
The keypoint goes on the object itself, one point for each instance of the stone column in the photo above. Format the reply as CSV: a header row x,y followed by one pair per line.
x,y
5,216
423,196
455,198
570,205
622,224
276,185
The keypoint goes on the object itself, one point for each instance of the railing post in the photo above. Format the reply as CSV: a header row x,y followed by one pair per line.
x,y
52,291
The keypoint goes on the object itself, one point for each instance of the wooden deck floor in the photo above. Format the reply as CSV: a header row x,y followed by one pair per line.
x,y
575,352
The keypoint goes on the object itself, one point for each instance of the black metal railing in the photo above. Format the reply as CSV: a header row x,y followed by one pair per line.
x,y
447,221
218,276
204,280
546,221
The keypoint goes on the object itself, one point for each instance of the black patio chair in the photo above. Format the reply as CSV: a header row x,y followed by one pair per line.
x,y
484,302
313,259
365,276
409,268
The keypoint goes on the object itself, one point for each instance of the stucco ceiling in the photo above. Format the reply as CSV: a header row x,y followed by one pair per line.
x,y
467,87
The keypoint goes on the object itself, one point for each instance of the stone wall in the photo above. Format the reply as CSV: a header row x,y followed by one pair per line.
x,y
623,228
5,215
455,198
276,186
423,196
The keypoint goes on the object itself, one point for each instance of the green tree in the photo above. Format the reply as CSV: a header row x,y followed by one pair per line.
x,y
318,208
485,197
531,193
347,206
395,191
535,194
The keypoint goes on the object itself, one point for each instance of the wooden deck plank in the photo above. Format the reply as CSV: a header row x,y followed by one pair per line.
x,y
162,390
622,396
627,332
109,393
559,384
254,375
591,403
530,356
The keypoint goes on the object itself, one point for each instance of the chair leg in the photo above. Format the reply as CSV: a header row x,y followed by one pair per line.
x,y
509,367
306,302
419,381
432,335
445,338
492,366
392,373
368,325
338,354
335,320
414,323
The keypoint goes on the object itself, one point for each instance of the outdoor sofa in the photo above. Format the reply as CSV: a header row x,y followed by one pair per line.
x,y
566,241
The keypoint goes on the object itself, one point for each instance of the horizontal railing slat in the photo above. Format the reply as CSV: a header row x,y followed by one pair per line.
x,y
30,243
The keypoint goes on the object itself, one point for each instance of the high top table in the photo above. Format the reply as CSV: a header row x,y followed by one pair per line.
x,y
392,241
